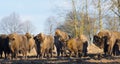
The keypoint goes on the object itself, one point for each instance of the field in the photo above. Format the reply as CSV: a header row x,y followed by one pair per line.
x,y
90,59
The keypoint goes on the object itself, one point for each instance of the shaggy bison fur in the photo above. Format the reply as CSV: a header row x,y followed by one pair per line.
x,y
18,43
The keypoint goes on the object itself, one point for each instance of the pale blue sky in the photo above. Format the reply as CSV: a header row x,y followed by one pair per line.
x,y
37,11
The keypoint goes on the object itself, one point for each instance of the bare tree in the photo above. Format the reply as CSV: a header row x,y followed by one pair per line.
x,y
116,7
112,23
11,24
75,18
27,26
50,25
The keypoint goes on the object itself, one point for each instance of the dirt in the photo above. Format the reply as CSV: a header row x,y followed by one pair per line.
x,y
92,58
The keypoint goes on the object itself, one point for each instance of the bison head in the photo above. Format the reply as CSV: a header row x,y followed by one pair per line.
x,y
100,42
41,37
104,33
12,41
28,35
11,38
97,40
62,35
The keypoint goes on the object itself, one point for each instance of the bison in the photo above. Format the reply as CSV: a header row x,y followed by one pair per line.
x,y
101,43
37,45
31,41
59,46
106,39
63,37
45,44
4,45
18,43
78,45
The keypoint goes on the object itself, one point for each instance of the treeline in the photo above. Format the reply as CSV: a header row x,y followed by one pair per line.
x,y
88,17
13,24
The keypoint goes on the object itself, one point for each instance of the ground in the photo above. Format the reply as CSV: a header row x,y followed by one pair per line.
x,y
92,58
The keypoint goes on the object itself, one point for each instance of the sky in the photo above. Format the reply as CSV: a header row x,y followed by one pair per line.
x,y
36,11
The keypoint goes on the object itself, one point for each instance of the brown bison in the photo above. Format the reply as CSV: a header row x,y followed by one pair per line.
x,y
4,45
107,40
46,44
78,45
18,43
31,41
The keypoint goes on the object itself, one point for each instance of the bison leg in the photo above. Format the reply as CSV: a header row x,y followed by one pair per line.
x,y
42,53
110,47
105,49
115,49
50,52
58,52
70,53
65,53
76,54
85,45
13,55
5,54
38,55
62,53
25,54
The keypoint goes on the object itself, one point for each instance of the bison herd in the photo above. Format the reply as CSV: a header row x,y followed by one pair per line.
x,y
14,44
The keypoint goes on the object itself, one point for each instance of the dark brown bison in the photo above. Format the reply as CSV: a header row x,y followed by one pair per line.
x,y
78,45
31,41
37,46
59,46
4,45
45,44
106,40
63,37
101,43
18,43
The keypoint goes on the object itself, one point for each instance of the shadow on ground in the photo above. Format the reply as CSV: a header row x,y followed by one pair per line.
x,y
64,60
